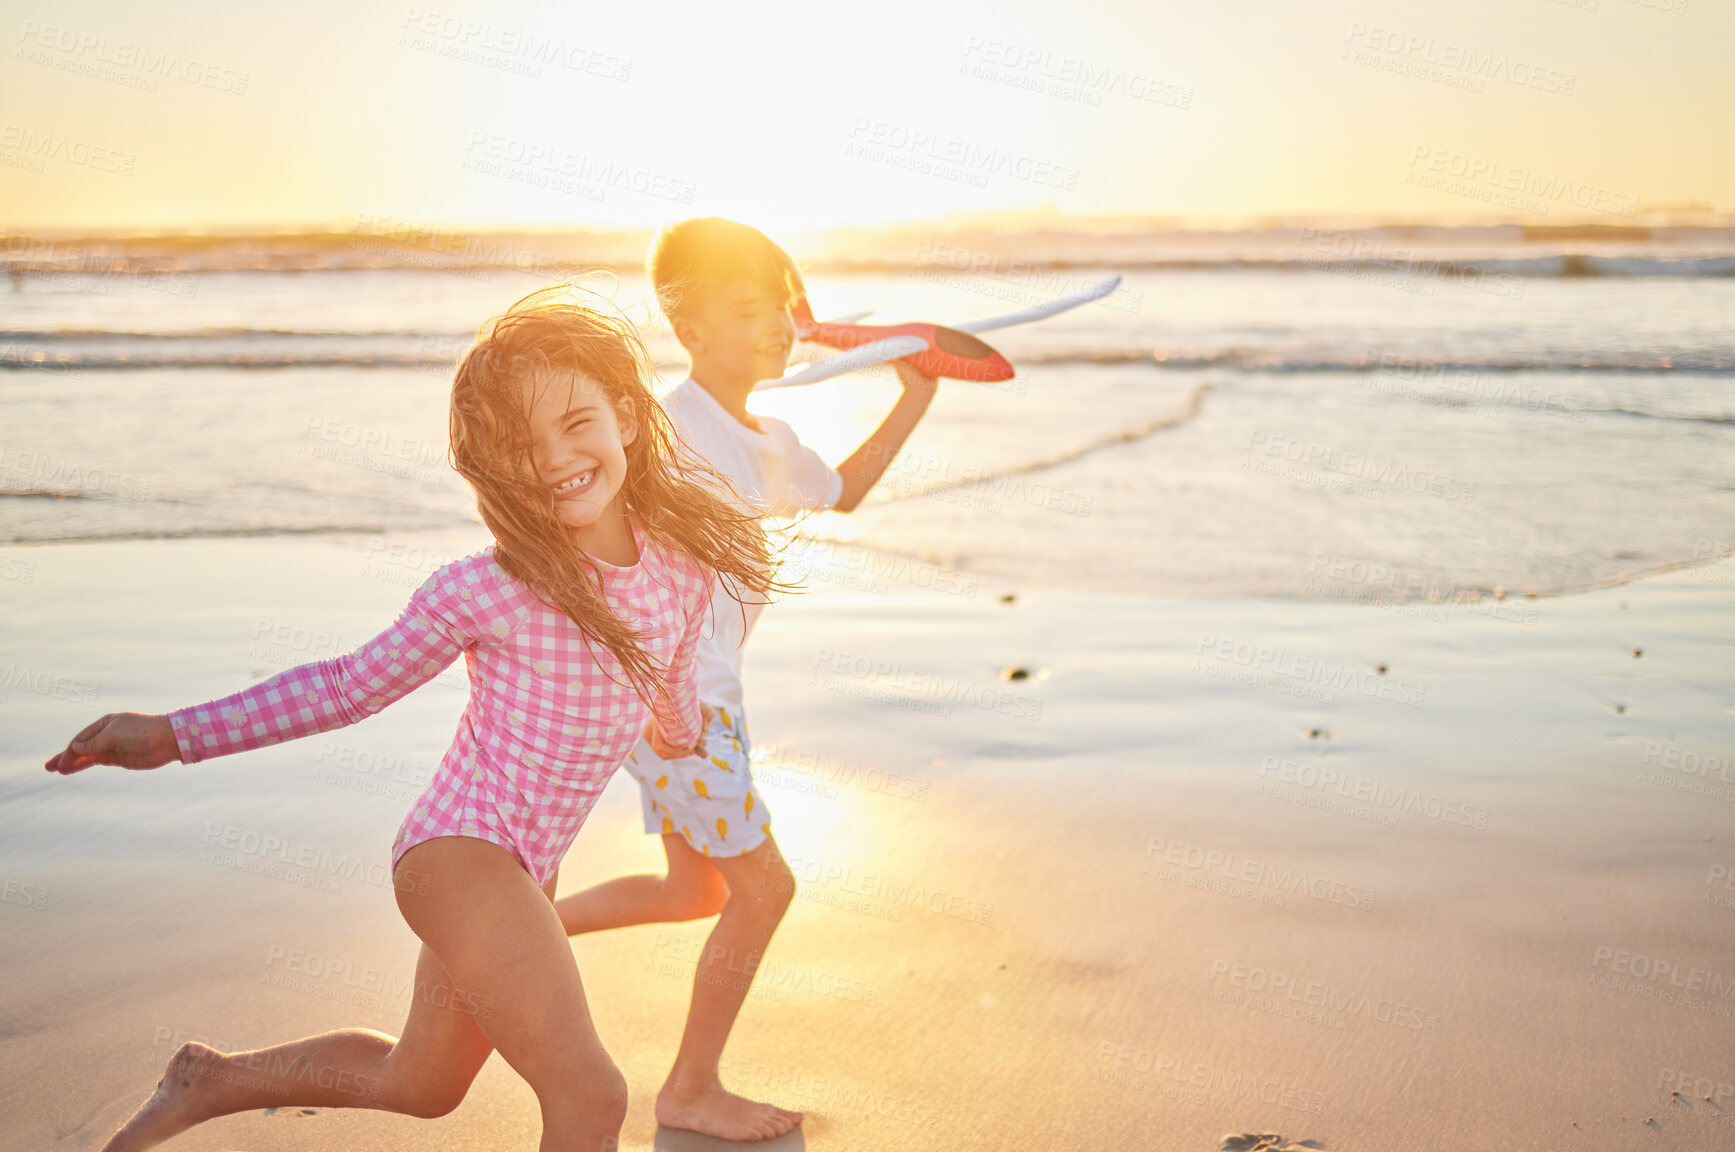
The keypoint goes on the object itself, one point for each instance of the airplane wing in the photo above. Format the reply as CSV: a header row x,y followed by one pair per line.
x,y
893,347
867,355
1043,311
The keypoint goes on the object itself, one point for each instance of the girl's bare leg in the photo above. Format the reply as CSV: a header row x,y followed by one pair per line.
x,y
500,938
425,1073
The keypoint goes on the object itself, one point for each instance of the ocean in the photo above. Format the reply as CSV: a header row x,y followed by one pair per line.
x,y
1388,415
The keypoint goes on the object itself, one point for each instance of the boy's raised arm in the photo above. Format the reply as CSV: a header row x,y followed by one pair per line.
x,y
869,462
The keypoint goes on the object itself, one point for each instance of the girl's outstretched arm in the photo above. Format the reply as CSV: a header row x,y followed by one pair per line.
x,y
446,614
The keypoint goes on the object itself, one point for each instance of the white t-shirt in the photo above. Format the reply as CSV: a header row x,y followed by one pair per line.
x,y
779,476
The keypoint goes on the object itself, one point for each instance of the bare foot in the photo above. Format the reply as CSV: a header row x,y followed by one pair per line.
x,y
176,1104
716,1111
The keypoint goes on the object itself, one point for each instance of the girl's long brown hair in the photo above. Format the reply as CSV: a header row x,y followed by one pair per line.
x,y
544,338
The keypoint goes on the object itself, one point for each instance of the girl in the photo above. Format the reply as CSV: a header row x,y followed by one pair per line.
x,y
580,619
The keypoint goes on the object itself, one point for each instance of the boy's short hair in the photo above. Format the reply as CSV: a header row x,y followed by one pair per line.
x,y
692,257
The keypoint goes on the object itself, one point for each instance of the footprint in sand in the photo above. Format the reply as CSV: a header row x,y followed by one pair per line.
x,y
1264,1142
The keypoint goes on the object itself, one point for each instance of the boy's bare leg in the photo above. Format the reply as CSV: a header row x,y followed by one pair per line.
x,y
760,890
697,886
692,890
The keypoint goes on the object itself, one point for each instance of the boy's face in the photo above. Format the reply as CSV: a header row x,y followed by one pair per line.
x,y
740,330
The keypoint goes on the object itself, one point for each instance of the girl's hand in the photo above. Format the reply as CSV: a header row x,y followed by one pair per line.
x,y
124,739
667,751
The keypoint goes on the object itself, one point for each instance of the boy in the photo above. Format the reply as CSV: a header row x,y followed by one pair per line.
x,y
727,291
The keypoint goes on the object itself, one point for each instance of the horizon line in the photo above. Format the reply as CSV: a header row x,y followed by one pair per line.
x,y
1684,215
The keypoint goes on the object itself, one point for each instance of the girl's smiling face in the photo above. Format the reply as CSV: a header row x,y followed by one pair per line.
x,y
578,445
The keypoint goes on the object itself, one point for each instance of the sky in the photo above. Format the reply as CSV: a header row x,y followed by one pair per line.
x,y
187,115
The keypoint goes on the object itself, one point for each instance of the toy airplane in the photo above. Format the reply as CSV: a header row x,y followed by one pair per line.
x,y
932,349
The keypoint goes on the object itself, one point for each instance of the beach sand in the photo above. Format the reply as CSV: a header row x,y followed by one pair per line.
x,y
1203,869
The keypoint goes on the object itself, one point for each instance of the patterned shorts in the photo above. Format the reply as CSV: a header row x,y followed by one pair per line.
x,y
710,800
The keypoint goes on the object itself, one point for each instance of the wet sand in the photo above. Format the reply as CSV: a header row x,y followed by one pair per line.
x,y
1203,869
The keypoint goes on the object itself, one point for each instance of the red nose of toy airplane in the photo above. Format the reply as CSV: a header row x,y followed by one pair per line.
x,y
950,353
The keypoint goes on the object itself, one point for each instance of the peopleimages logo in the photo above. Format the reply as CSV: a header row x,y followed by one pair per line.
x,y
1374,792
1417,53
1331,458
136,65
855,674
1127,1065
310,865
53,146
1659,971
874,139
1715,1089
1281,986
903,892
1499,175
1688,761
1260,873
1263,660
509,49
1071,77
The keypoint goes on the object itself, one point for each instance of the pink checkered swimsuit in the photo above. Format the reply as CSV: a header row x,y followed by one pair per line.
x,y
545,727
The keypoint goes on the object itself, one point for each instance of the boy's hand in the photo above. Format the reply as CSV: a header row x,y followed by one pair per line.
x,y
667,751
124,739
912,380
